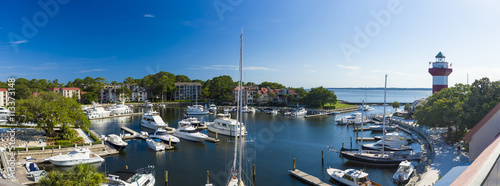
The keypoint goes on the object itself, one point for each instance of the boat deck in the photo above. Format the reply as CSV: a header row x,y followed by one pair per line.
x,y
307,177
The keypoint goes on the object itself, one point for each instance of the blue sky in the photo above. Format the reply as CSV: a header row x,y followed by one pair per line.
x,y
297,43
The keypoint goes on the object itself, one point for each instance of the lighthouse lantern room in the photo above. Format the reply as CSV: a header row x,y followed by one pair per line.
x,y
440,72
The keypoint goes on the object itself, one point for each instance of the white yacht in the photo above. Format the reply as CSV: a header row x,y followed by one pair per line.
x,y
155,144
116,141
120,109
153,120
404,172
127,177
196,110
196,123
147,104
97,112
299,112
4,115
212,108
388,145
163,135
247,109
350,177
186,131
77,156
274,111
366,108
224,114
227,126
354,118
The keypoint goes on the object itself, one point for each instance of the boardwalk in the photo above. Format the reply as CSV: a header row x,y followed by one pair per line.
x,y
307,178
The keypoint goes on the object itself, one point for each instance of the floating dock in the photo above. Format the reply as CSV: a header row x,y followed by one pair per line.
x,y
131,114
330,112
307,178
143,137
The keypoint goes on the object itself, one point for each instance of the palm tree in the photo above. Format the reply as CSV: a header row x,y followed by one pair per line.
x,y
81,174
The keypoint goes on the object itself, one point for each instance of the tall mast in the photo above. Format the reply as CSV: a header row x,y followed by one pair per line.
x,y
362,115
383,120
240,122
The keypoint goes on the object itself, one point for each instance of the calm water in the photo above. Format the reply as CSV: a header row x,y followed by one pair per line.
x,y
277,140
376,95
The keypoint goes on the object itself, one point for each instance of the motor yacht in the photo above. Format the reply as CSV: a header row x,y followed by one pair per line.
x,y
116,141
97,112
163,135
354,118
350,177
127,177
227,126
120,109
153,120
186,131
212,108
299,112
196,110
404,172
34,171
77,156
155,144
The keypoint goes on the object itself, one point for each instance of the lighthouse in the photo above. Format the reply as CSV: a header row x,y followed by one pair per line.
x,y
440,72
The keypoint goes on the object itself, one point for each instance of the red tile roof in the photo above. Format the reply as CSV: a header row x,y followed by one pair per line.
x,y
486,118
3,90
70,88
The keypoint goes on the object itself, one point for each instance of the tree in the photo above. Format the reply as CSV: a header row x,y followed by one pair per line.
x,y
129,81
124,92
88,97
221,87
407,107
114,83
50,109
443,108
319,96
81,174
396,105
482,97
182,78
271,85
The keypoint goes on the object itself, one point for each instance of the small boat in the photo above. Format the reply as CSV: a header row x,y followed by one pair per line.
x,y
350,177
186,131
299,112
404,172
389,145
354,118
155,144
224,114
396,135
116,141
77,156
365,108
33,170
212,108
153,120
273,111
247,109
163,135
127,177
196,110
195,122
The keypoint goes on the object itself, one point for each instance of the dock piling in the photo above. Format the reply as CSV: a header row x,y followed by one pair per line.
x,y
126,166
169,141
322,157
216,135
208,177
253,174
342,144
293,164
351,142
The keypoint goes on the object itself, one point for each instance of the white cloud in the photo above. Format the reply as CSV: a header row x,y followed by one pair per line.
x,y
349,67
256,68
312,71
92,70
307,65
149,15
45,66
18,42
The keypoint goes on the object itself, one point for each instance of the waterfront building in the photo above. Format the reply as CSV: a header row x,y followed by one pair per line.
x,y
109,93
68,92
484,133
187,91
253,95
248,94
3,97
440,72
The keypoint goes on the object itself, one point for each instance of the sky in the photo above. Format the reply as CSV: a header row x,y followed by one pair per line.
x,y
298,43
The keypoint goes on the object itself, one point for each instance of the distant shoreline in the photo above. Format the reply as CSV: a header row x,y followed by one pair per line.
x,y
381,88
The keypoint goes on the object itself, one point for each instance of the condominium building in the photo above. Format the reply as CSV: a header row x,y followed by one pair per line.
x,y
187,91
3,97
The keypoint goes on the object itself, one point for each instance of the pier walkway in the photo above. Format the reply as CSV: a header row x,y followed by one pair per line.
x,y
82,134
307,178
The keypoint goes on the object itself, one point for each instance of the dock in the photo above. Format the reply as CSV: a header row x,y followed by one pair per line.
x,y
307,178
114,116
212,140
136,135
330,112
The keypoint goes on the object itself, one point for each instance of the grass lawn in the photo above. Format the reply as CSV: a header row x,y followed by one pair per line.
x,y
340,105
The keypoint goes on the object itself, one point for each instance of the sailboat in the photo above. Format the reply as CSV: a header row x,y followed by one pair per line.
x,y
235,179
378,158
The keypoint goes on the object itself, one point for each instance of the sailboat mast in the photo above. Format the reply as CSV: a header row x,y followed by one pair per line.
x,y
383,119
240,123
362,115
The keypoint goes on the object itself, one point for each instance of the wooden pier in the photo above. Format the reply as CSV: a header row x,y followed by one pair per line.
x,y
131,114
307,178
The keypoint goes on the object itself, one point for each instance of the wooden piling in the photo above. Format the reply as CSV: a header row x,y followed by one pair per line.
x,y
169,141
216,135
342,144
351,142
126,166
293,164
208,177
166,178
322,157
253,174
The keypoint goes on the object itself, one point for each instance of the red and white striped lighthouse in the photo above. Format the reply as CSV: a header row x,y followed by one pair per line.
x,y
439,72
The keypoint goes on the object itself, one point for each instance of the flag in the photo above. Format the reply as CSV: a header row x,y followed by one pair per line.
x,y
430,62
451,64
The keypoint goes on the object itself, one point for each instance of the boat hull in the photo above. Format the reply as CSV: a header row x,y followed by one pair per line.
x,y
189,137
66,163
371,161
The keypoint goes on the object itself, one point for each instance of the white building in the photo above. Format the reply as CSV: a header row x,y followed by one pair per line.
x,y
68,92
109,93
3,97
484,133
188,91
